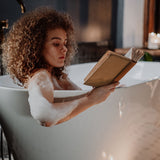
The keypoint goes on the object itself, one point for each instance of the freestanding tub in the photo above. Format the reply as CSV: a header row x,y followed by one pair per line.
x,y
124,127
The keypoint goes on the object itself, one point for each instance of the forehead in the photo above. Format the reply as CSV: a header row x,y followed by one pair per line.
x,y
56,33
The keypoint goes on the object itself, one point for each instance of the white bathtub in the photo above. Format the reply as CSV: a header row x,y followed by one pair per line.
x,y
124,127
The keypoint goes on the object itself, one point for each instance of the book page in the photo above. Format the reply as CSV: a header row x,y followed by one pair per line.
x,y
134,54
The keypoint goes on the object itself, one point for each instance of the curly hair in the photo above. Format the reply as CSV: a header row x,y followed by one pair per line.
x,y
23,44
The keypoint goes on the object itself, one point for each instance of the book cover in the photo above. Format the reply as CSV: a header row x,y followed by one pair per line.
x,y
112,67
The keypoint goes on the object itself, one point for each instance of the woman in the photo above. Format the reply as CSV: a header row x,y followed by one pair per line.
x,y
36,51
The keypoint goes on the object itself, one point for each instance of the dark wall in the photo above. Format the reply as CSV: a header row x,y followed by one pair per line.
x,y
10,9
88,15
95,21
157,17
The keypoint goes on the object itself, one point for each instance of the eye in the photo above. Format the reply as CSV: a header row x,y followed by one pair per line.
x,y
56,44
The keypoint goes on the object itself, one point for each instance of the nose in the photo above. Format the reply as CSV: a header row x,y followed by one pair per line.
x,y
64,49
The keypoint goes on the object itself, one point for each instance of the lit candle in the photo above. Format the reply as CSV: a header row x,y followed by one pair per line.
x,y
152,41
158,38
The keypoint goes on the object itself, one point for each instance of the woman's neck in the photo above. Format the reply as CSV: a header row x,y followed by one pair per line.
x,y
50,69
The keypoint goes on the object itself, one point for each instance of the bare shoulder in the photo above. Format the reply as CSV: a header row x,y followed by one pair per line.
x,y
39,76
41,84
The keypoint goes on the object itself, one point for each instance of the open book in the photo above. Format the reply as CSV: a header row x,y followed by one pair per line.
x,y
112,67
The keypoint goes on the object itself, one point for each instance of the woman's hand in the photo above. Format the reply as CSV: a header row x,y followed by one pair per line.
x,y
100,94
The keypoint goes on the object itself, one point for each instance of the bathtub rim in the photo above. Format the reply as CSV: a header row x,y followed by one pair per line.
x,y
18,88
58,93
82,91
71,93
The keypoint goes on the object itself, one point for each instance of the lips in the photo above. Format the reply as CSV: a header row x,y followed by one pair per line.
x,y
62,57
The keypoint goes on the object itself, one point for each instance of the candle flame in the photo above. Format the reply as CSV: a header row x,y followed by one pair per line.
x,y
155,38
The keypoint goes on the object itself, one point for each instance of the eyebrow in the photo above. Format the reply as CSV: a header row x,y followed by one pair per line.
x,y
57,38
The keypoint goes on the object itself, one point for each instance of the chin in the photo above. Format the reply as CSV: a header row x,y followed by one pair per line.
x,y
59,66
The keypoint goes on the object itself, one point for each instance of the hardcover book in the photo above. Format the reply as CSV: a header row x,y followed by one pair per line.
x,y
112,67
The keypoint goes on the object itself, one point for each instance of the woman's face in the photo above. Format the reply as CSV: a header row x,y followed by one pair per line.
x,y
54,50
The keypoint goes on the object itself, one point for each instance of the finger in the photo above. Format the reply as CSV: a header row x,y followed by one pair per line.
x,y
112,90
113,85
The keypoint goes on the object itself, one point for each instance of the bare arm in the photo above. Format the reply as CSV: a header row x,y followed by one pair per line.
x,y
43,108
96,96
